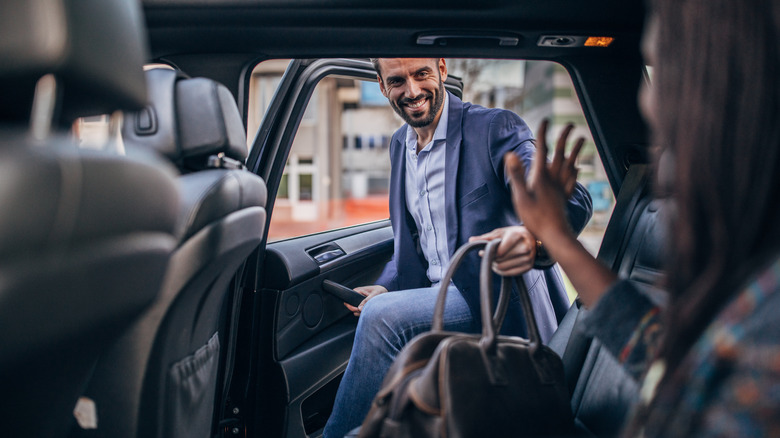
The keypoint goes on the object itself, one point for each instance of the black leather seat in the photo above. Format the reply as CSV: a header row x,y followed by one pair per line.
x,y
161,379
603,393
85,236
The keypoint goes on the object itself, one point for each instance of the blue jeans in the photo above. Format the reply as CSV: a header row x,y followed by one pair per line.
x,y
387,323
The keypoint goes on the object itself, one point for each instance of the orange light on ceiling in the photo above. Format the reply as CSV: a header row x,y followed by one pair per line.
x,y
598,41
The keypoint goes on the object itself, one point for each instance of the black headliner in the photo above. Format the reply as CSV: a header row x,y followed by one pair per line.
x,y
308,28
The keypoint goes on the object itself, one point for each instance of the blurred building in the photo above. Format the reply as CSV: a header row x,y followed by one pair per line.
x,y
338,170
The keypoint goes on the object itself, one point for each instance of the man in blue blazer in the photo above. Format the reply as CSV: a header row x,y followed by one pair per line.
x,y
447,184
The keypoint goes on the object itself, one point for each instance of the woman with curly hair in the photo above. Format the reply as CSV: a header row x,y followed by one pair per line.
x,y
714,110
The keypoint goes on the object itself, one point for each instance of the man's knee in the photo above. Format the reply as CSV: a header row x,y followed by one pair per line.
x,y
383,320
380,312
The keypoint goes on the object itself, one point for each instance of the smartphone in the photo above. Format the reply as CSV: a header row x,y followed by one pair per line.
x,y
346,294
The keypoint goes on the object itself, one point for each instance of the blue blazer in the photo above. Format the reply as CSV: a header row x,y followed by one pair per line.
x,y
477,201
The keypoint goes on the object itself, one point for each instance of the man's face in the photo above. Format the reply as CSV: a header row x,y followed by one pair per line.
x,y
414,87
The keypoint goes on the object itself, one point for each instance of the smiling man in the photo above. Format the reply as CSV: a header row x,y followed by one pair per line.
x,y
415,89
447,184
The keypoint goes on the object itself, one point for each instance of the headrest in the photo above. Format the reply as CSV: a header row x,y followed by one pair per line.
x,y
96,49
187,120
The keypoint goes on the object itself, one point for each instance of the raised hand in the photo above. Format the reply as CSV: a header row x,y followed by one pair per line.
x,y
563,170
540,200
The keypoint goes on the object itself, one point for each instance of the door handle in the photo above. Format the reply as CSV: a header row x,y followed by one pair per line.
x,y
325,253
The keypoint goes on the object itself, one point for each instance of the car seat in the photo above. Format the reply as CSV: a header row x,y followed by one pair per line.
x,y
85,235
603,392
162,378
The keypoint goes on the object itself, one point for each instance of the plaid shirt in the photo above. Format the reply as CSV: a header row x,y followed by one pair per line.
x,y
733,384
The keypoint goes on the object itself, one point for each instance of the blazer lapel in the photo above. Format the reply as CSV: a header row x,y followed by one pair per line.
x,y
397,184
454,139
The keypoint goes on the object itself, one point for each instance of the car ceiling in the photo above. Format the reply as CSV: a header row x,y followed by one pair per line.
x,y
337,28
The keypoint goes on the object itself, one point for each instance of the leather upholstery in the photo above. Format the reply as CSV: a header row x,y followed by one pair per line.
x,y
209,121
161,378
95,48
215,193
602,391
79,195
155,126
85,236
189,121
78,262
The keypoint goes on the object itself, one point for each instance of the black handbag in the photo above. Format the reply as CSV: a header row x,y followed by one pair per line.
x,y
446,384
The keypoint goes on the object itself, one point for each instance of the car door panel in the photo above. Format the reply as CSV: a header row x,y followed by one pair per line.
x,y
313,331
304,308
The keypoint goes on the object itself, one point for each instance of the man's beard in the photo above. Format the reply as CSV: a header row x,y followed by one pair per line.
x,y
436,102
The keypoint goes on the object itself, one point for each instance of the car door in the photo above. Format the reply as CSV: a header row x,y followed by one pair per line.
x,y
294,347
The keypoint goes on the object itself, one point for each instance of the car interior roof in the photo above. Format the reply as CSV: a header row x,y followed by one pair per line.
x,y
337,28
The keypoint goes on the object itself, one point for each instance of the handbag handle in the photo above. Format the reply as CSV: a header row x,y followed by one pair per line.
x,y
490,324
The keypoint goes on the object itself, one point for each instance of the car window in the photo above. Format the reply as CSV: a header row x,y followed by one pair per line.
x,y
338,170
536,90
337,173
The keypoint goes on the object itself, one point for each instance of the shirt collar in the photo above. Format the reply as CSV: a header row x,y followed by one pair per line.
x,y
441,129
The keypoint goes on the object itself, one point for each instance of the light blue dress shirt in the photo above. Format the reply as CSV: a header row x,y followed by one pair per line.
x,y
425,194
